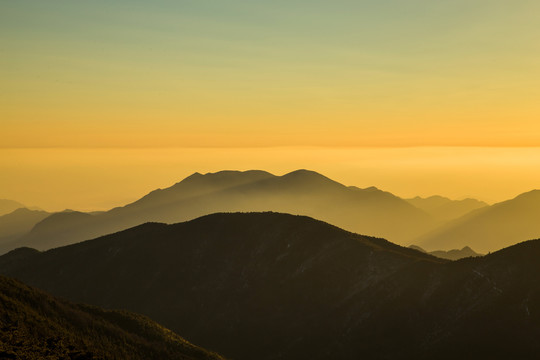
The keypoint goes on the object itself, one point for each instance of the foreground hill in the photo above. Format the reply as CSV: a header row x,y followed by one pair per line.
x,y
35,325
367,211
277,286
246,285
490,228
443,209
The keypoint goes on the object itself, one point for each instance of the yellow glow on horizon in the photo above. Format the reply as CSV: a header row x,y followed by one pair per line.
x,y
99,179
122,97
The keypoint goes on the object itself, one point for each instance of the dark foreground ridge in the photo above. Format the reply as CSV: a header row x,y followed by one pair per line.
x,y
277,286
35,325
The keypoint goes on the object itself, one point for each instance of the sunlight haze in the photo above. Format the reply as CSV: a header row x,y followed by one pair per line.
x,y
101,102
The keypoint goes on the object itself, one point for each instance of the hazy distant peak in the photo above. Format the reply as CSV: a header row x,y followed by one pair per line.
x,y
442,199
303,172
532,195
7,206
225,175
23,210
454,254
198,184
418,248
309,176
237,172
524,200
4,202
195,175
432,197
59,218
372,188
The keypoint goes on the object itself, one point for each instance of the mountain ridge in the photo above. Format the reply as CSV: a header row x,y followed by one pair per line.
x,y
304,192
280,286
490,228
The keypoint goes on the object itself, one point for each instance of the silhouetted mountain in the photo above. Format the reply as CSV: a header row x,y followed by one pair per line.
x,y
197,184
367,211
35,325
417,248
16,224
246,285
56,229
277,286
489,228
444,209
454,254
7,206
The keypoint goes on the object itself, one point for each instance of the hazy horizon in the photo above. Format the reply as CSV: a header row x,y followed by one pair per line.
x,y
102,102
102,178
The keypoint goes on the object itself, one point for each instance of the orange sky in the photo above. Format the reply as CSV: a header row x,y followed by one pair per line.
x,y
99,179
188,74
246,78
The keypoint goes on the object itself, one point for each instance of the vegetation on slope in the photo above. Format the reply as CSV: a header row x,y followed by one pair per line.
x,y
35,325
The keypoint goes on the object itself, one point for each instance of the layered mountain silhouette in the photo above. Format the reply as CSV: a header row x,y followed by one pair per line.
x,y
367,211
277,286
489,228
17,223
443,209
7,206
36,325
454,254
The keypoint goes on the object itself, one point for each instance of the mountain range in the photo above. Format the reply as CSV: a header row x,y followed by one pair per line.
x,y
434,223
278,286
443,209
19,222
367,211
489,228
454,254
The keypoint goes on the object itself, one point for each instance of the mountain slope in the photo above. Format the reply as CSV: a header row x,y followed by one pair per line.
x,y
444,209
35,325
367,211
261,285
491,228
276,286
485,307
7,206
17,223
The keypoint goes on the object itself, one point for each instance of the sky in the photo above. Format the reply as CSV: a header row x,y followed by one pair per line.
x,y
312,77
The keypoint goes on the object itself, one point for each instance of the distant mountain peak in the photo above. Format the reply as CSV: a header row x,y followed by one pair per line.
x,y
303,172
533,194
372,188
308,175
194,175
225,174
7,206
